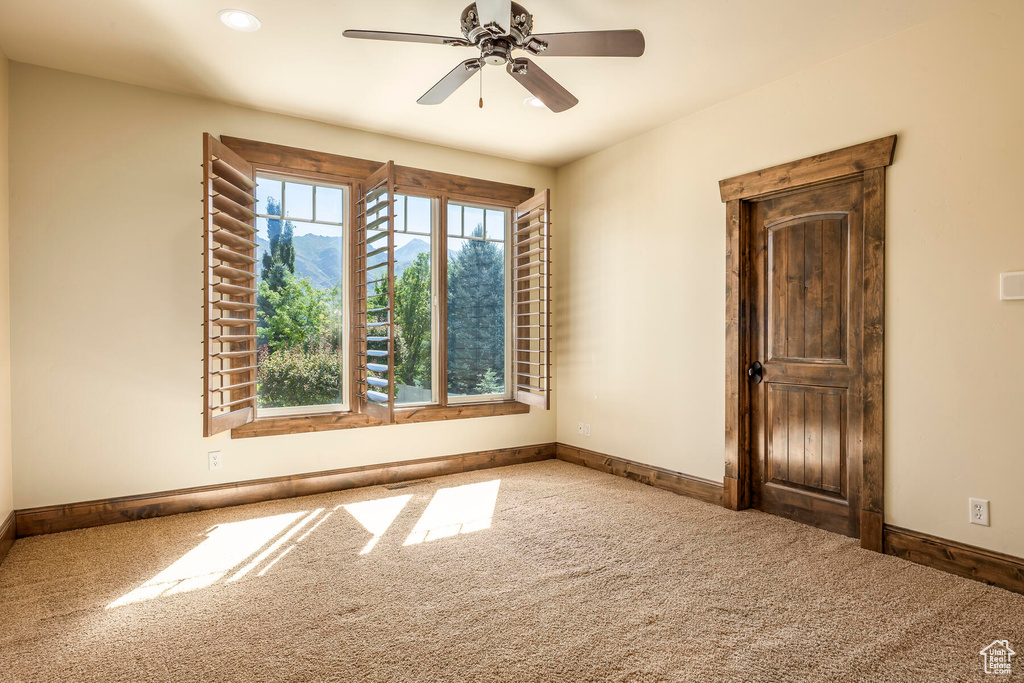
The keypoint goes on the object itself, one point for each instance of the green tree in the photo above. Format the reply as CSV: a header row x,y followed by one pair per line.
x,y
490,383
476,316
303,316
412,322
279,258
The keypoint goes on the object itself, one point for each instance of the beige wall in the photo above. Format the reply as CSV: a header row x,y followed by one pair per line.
x,y
6,476
106,240
641,294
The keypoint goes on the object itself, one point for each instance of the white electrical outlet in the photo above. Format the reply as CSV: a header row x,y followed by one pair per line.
x,y
579,428
214,460
586,429
979,511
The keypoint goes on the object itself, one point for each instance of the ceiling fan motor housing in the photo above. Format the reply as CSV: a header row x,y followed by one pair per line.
x,y
522,27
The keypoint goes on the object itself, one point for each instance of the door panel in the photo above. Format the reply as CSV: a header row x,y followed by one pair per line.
x,y
806,441
806,276
807,279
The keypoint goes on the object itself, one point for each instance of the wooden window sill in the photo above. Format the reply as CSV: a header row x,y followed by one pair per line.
x,y
301,424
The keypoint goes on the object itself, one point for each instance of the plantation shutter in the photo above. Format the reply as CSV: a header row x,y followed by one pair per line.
x,y
531,292
229,257
374,290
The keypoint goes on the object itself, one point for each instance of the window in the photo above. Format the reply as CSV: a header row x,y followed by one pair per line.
x,y
415,309
478,296
301,294
344,293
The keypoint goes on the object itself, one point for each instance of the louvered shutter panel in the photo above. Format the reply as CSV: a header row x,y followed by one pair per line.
x,y
375,296
229,257
531,292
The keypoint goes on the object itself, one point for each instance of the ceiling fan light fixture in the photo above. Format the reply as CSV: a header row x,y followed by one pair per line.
x,y
239,20
532,101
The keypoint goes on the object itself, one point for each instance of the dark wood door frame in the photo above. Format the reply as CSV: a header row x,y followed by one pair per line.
x,y
867,161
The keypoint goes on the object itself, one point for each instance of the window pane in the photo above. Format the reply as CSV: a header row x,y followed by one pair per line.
x,y
268,196
298,201
419,215
300,306
476,317
495,225
473,222
375,208
413,318
454,220
329,205
399,213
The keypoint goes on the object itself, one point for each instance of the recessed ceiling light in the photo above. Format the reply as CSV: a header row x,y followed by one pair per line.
x,y
238,20
533,102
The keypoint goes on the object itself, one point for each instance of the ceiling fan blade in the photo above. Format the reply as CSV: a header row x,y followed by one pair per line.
x,y
544,88
627,43
495,13
450,83
405,37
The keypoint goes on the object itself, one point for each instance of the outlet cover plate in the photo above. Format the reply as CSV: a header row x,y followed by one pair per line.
x,y
979,511
214,460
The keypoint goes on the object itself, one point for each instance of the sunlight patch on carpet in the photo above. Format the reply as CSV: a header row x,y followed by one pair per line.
x,y
377,516
456,510
276,545
226,546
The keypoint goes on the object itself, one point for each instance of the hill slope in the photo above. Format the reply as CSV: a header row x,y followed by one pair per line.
x,y
318,257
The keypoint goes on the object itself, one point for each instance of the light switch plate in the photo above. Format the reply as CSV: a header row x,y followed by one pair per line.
x,y
1011,286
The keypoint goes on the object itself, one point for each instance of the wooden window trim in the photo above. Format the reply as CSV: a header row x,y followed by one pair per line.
x,y
413,180
444,187
302,424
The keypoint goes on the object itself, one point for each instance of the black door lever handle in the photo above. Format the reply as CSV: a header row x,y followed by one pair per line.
x,y
756,372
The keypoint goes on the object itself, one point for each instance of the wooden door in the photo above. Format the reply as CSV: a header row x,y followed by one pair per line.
x,y
806,410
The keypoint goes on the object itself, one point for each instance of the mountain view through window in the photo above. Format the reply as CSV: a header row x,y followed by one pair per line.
x,y
300,294
301,253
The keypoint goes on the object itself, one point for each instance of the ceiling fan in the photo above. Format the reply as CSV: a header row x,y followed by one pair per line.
x,y
498,27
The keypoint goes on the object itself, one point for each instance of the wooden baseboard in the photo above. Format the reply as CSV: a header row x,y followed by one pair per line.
x,y
55,518
987,566
7,535
657,477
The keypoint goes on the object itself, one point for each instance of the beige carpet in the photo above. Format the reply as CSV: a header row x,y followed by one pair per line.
x,y
543,572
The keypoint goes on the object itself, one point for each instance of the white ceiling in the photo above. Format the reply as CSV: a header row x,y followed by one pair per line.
x,y
699,52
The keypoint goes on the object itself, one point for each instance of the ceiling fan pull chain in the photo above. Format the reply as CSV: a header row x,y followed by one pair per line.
x,y
481,88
